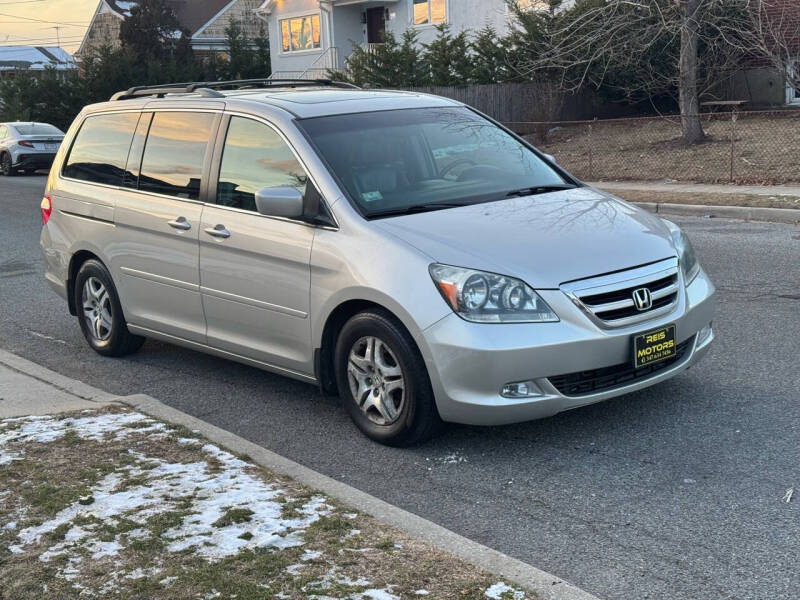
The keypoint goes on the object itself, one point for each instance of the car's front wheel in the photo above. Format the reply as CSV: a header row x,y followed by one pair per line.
x,y
383,381
100,312
6,166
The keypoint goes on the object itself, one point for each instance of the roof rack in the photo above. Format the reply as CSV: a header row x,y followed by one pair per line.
x,y
208,88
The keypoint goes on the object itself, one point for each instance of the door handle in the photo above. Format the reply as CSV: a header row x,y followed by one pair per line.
x,y
180,223
218,231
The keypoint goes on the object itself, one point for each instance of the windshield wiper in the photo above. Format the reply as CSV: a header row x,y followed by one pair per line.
x,y
540,189
415,208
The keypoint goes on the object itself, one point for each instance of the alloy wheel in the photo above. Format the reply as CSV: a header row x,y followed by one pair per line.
x,y
376,380
97,309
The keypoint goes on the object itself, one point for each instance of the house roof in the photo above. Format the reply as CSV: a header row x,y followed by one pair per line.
x,y
121,8
193,15
34,58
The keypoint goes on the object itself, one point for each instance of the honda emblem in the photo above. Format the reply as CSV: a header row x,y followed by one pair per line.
x,y
642,299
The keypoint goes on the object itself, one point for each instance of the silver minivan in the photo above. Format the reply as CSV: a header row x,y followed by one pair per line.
x,y
400,250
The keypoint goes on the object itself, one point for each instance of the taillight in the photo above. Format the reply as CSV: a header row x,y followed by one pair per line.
x,y
47,209
25,144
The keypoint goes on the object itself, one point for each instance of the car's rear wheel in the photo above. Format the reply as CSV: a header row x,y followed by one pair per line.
x,y
383,381
6,165
100,312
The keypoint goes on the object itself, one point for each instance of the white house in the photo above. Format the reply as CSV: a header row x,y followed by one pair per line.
x,y
308,37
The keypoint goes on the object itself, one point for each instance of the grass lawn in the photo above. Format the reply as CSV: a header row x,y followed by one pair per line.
x,y
766,150
113,504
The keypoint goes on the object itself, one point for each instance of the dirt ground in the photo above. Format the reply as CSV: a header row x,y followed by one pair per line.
x,y
766,149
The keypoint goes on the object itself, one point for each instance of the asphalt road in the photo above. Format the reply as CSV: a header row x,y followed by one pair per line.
x,y
672,493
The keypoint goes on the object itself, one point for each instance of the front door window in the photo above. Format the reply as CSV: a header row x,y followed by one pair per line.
x,y
376,25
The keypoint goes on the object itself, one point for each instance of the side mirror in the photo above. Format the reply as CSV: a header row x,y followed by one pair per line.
x,y
550,157
280,202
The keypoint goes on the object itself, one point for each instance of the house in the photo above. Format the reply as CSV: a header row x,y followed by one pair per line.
x,y
35,59
309,37
204,21
761,80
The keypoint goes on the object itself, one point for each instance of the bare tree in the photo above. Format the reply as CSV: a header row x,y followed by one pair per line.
x,y
643,48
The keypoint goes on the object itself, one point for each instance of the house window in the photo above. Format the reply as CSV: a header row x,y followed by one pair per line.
x,y
430,12
300,33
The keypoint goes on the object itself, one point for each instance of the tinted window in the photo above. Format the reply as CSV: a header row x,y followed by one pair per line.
x,y
255,157
393,160
101,148
174,154
38,129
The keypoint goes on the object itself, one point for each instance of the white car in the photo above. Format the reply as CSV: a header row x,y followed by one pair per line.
x,y
28,147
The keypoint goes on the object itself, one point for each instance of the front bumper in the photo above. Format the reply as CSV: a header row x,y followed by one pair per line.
x,y
469,363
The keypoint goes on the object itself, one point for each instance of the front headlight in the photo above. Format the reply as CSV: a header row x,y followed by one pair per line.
x,y
483,297
686,256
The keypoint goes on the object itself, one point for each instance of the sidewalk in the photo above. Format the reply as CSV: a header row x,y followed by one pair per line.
x,y
778,204
700,188
126,497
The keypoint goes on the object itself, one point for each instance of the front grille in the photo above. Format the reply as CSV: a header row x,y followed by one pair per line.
x,y
597,380
610,299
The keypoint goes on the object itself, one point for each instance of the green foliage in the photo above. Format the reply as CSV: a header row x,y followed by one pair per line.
x,y
52,96
153,32
247,59
448,57
491,57
391,64
448,60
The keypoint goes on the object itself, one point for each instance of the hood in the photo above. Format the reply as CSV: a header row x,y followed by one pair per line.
x,y
545,240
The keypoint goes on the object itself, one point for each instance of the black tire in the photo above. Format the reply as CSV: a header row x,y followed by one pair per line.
x,y
117,340
5,165
418,419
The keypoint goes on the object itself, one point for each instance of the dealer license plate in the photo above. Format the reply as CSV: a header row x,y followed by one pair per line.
x,y
654,346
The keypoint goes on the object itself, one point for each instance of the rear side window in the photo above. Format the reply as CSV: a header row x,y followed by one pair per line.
x,y
174,154
255,157
101,147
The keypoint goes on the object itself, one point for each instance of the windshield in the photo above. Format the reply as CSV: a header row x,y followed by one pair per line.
x,y
37,129
394,161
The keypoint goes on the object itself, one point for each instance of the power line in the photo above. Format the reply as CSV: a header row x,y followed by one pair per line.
x,y
42,21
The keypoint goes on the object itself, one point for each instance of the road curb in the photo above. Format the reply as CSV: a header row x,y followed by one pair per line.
x,y
790,216
547,586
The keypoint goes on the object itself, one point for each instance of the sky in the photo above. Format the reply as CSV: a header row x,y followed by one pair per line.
x,y
33,22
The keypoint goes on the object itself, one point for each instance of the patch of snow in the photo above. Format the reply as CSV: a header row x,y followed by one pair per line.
x,y
139,573
295,569
21,430
310,555
383,594
102,549
497,590
453,459
168,581
10,525
422,592
352,533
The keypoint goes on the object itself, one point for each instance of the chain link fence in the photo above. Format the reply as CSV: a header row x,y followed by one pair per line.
x,y
756,148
